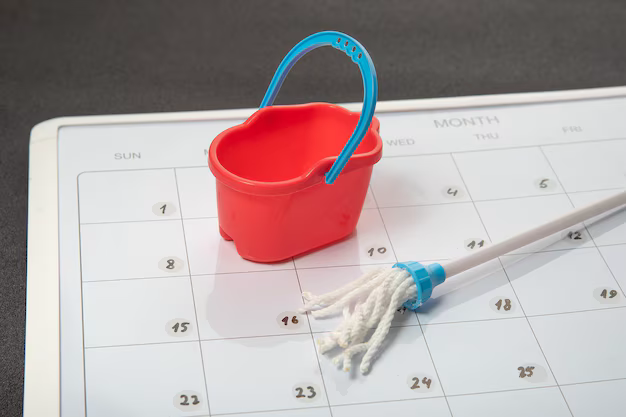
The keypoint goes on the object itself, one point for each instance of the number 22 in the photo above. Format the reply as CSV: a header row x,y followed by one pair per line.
x,y
185,399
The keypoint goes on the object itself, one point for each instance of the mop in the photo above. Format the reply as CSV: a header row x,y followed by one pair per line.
x,y
371,301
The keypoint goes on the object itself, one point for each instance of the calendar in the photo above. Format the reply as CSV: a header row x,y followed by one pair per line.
x,y
138,307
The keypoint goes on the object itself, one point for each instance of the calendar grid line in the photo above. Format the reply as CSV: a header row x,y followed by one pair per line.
x,y
308,320
485,200
528,315
272,411
428,398
193,297
380,215
432,361
510,147
82,300
169,342
307,268
608,267
136,278
337,266
593,382
513,288
476,210
174,219
541,149
586,228
378,206
393,326
616,139
391,401
547,362
541,387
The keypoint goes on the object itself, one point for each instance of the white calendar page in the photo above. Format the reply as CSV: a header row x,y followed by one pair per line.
x,y
159,316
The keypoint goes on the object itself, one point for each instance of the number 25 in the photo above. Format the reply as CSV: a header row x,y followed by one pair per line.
x,y
525,372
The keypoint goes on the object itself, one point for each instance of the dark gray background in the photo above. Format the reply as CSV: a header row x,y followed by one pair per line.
x,y
76,57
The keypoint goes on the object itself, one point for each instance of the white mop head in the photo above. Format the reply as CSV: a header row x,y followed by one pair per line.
x,y
370,302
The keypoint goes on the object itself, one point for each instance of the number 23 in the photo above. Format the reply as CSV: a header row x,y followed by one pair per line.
x,y
301,395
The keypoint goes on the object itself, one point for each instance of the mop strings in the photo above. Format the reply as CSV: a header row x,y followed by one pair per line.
x,y
367,303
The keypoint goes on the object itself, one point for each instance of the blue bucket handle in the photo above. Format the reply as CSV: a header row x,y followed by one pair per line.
x,y
359,56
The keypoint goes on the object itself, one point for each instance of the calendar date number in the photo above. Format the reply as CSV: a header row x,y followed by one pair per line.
x,y
376,251
532,373
425,381
453,192
474,244
525,372
289,320
575,236
179,327
546,184
188,401
502,305
163,208
607,295
305,392
419,382
171,264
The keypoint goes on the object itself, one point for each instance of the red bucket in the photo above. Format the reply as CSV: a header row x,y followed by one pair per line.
x,y
275,198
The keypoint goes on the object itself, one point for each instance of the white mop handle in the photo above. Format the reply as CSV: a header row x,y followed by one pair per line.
x,y
492,251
